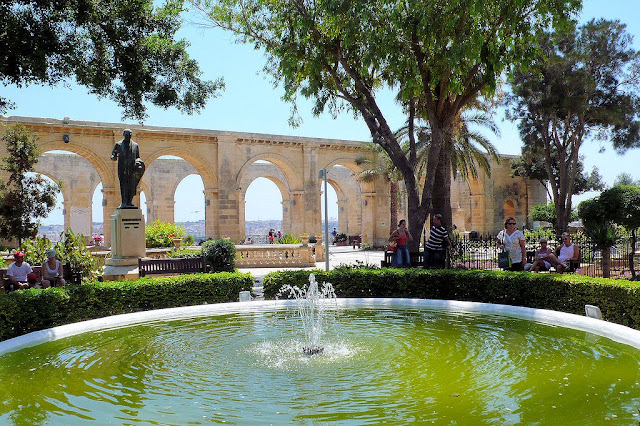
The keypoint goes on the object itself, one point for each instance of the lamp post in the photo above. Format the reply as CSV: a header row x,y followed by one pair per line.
x,y
322,174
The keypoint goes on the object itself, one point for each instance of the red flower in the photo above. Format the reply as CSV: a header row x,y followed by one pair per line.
x,y
172,235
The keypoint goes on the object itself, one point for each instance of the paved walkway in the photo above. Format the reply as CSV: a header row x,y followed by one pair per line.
x,y
337,256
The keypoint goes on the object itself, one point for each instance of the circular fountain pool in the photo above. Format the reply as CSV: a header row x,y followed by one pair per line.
x,y
394,361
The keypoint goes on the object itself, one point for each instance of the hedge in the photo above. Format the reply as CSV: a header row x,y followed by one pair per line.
x,y
30,310
618,300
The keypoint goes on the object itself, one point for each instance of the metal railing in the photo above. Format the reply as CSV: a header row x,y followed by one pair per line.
x,y
481,252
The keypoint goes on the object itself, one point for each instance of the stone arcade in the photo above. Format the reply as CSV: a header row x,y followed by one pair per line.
x,y
228,162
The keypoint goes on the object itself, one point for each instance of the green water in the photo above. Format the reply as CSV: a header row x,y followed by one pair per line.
x,y
379,366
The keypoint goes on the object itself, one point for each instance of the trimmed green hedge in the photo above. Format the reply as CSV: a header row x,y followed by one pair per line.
x,y
25,311
618,300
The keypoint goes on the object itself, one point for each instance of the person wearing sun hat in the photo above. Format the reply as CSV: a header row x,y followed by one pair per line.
x,y
19,272
52,271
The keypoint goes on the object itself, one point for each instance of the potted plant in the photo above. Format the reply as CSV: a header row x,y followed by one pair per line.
x,y
341,239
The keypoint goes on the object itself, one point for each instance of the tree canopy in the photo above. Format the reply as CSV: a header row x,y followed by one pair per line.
x,y
121,49
438,56
617,205
583,84
531,164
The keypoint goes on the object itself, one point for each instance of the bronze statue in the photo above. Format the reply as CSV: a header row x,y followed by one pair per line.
x,y
130,168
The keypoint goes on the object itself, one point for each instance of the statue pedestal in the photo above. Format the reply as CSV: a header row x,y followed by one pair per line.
x,y
127,245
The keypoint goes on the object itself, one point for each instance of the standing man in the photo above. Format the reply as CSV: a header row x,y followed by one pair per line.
x,y
130,168
435,246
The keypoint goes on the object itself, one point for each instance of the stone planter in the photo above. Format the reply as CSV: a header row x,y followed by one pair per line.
x,y
177,242
341,243
305,239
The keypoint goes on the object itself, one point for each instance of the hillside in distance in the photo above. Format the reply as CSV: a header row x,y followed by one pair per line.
x,y
254,228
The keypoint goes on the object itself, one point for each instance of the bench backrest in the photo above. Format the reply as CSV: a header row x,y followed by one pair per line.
x,y
416,258
170,266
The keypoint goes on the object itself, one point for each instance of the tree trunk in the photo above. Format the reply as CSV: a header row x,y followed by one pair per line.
x,y
393,205
606,262
442,188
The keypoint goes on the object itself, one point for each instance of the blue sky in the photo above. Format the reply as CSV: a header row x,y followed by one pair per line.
x,y
251,103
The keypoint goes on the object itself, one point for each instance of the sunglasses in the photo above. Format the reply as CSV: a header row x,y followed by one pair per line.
x,y
511,223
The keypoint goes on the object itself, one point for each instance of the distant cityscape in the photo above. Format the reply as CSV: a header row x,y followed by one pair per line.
x,y
256,229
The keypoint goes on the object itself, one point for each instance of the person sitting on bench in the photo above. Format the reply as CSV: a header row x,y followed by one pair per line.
x,y
52,271
567,253
541,262
20,274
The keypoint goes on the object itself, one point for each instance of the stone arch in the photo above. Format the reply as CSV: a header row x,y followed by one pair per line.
x,y
161,180
105,171
79,179
293,179
356,199
208,176
349,164
273,173
509,210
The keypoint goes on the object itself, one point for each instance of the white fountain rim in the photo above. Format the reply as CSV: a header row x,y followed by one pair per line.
x,y
615,332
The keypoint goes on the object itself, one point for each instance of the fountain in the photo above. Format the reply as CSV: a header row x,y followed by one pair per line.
x,y
312,308
384,361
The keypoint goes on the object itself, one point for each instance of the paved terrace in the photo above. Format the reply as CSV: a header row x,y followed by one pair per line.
x,y
337,256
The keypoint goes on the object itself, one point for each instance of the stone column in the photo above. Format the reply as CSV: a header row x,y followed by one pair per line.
x,y
211,213
312,216
286,216
152,209
66,213
344,223
478,213
110,202
242,204
368,217
298,211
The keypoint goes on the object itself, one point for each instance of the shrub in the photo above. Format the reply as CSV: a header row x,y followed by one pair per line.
x,y
288,239
161,234
618,300
35,250
32,310
340,237
219,255
70,249
189,240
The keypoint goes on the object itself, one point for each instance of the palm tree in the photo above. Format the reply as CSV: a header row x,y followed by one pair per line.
x,y
465,151
603,235
469,149
380,165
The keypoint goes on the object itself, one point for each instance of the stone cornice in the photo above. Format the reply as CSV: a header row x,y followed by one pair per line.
x,y
179,133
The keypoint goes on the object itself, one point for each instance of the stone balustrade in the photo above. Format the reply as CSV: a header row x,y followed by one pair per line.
x,y
274,256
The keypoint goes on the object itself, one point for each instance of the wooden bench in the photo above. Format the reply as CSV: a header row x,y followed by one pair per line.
x,y
189,265
355,240
416,258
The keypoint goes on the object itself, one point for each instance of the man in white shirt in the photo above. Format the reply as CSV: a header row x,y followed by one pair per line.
x,y
19,271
